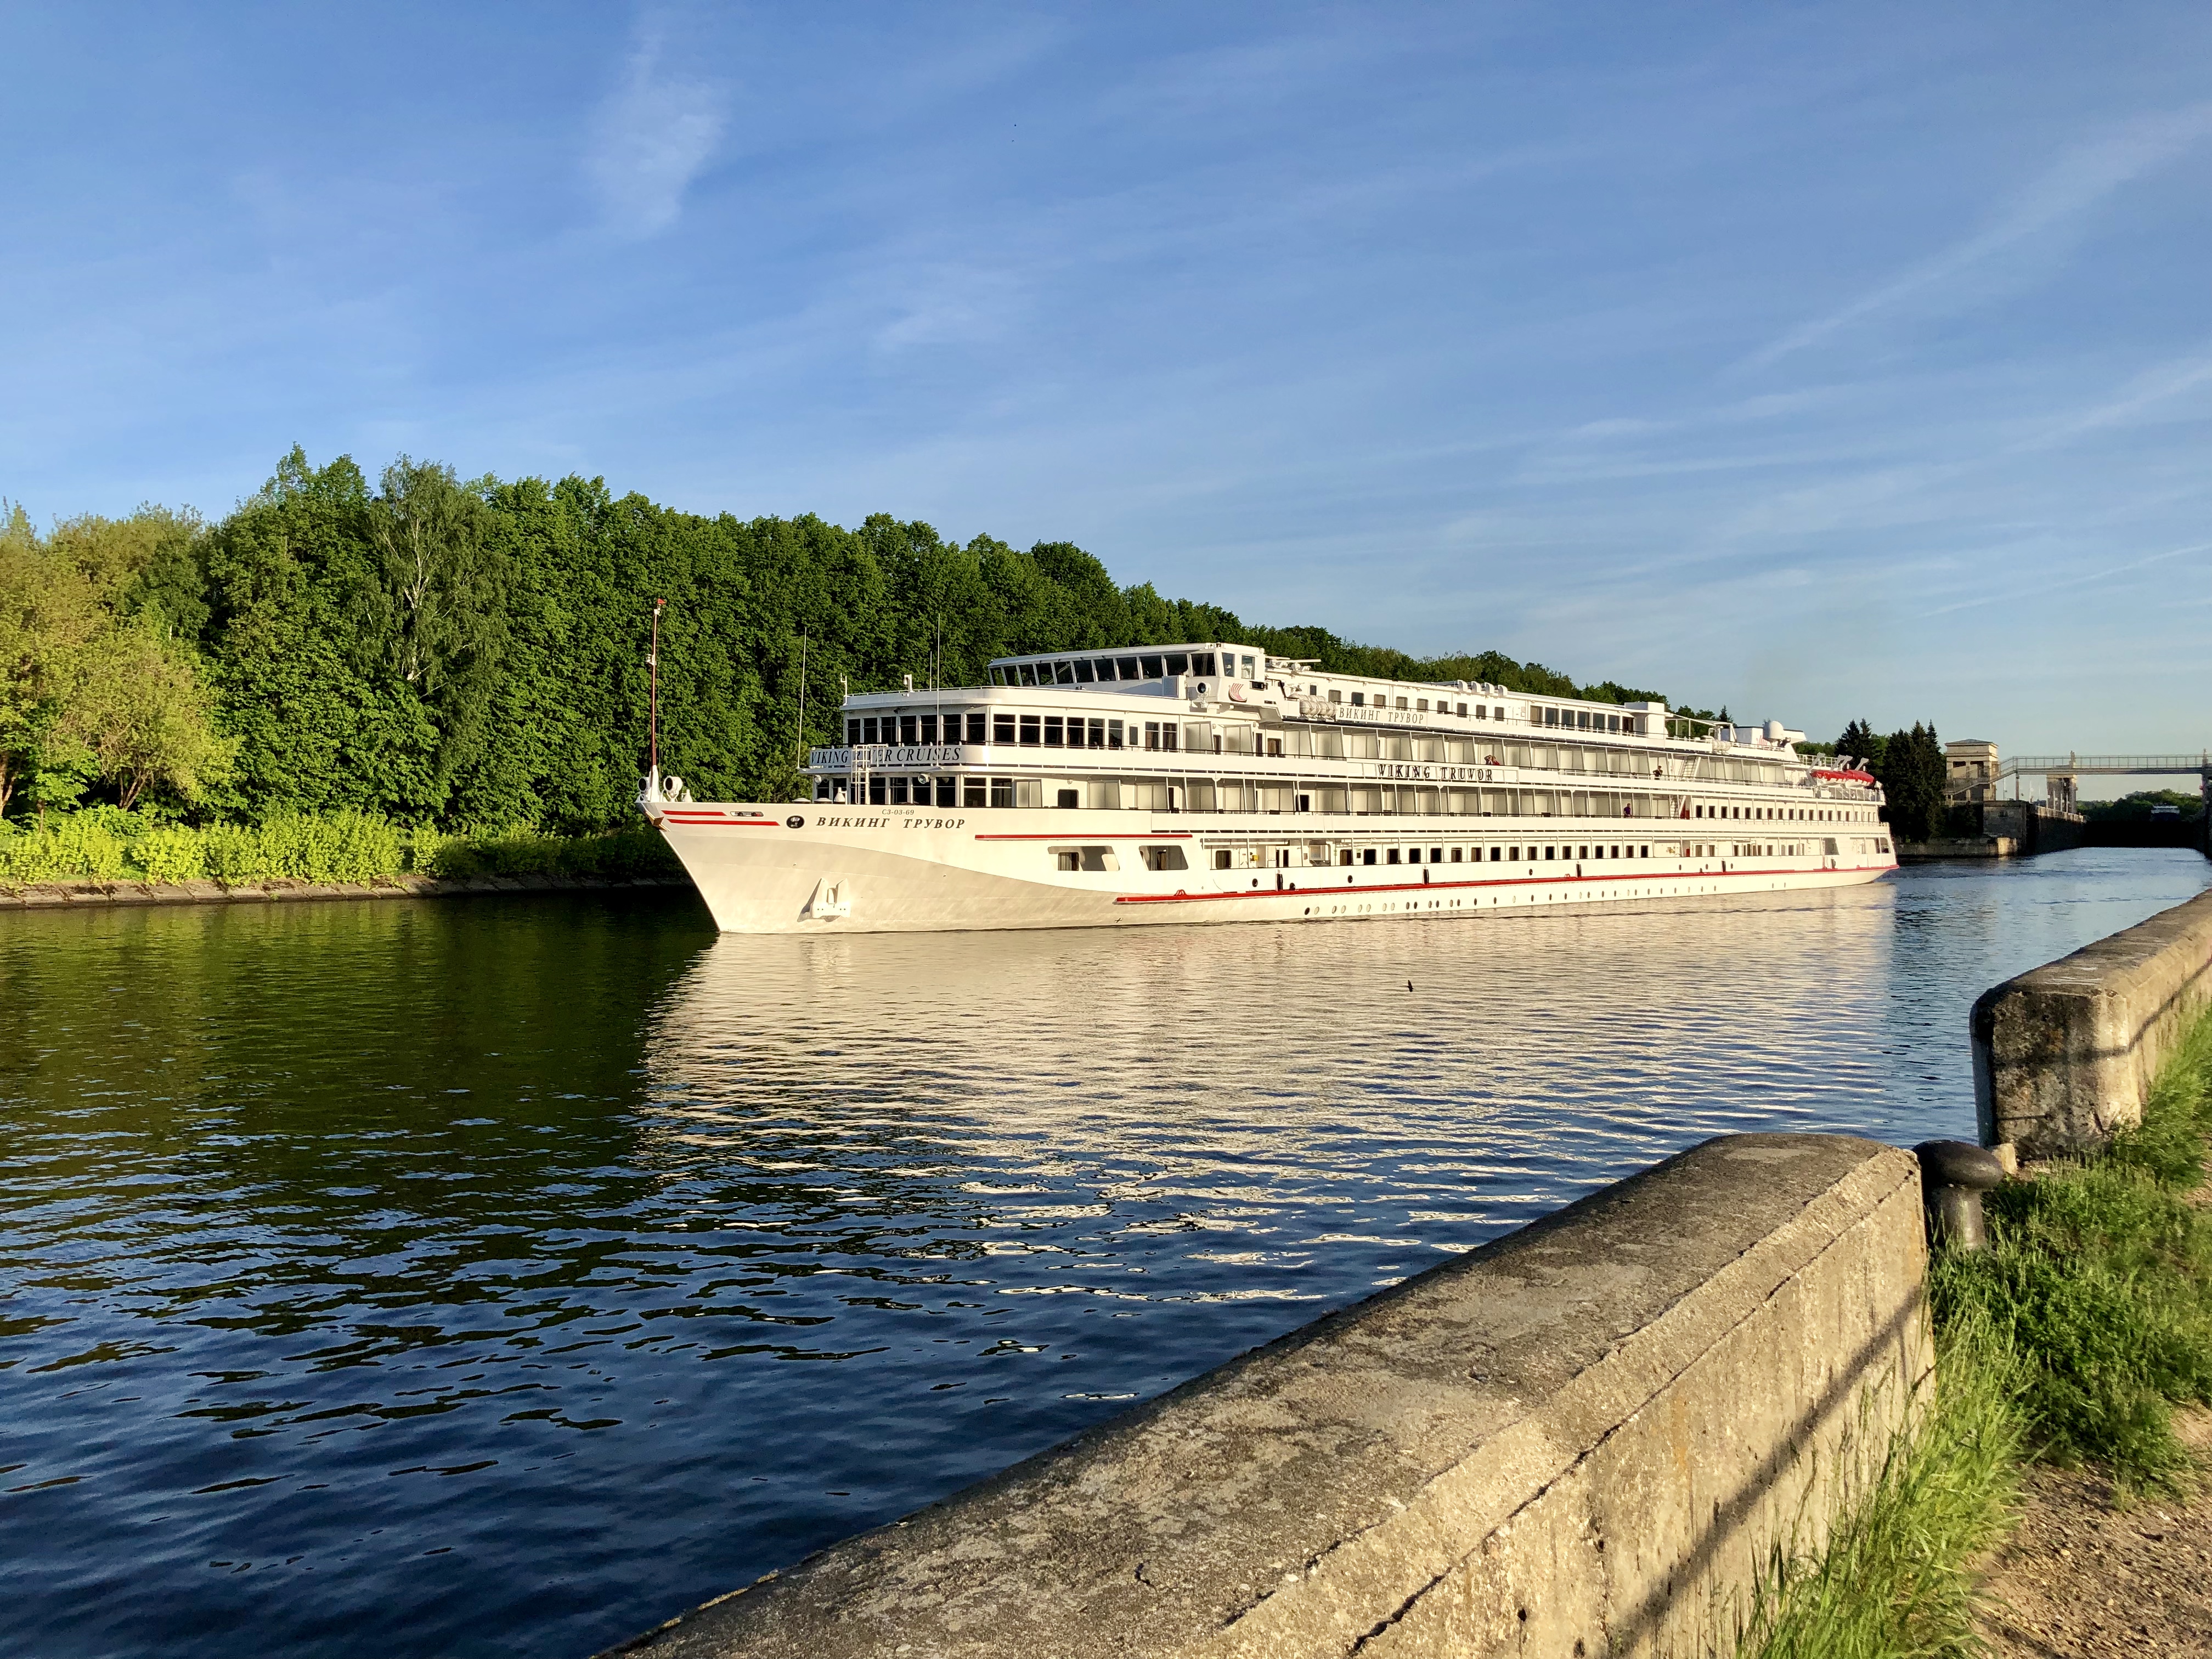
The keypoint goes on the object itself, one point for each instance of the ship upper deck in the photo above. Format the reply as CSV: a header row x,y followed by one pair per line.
x,y
1236,686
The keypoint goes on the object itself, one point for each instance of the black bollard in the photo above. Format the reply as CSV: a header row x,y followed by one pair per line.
x,y
1953,1176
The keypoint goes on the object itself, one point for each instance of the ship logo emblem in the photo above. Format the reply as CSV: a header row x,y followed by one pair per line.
x,y
794,822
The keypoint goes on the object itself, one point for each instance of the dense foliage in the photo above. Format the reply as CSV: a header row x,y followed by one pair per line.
x,y
108,844
435,652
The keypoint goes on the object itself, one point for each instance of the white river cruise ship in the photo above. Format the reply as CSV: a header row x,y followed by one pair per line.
x,y
1208,783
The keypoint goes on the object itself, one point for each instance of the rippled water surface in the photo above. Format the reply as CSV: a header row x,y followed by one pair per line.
x,y
501,1276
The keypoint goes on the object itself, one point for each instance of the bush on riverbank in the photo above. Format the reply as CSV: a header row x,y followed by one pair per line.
x,y
108,844
2068,1340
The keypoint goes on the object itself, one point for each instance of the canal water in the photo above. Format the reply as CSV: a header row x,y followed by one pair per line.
x,y
502,1276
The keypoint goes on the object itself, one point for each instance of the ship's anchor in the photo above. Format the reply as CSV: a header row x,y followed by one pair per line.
x,y
830,902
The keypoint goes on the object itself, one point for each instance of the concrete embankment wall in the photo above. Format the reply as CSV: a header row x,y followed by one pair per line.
x,y
2065,1054
70,894
1580,1440
1999,829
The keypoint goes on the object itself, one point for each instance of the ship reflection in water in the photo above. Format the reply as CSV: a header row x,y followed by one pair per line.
x,y
502,1276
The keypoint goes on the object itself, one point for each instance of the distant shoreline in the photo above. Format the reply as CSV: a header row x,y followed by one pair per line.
x,y
85,893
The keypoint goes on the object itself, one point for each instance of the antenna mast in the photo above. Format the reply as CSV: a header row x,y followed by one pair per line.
x,y
652,695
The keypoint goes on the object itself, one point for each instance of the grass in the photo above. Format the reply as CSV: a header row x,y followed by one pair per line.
x,y
1890,1582
2068,1340
108,844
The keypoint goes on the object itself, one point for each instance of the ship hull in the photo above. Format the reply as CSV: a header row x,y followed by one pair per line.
x,y
807,867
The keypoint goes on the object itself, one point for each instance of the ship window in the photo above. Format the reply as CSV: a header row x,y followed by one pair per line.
x,y
1112,734
1221,859
1462,711
1500,714
1070,859
1068,798
1029,730
898,792
1097,733
1002,728
1275,746
1422,704
1165,858
1401,702
1393,858
1128,667
1459,856
974,792
948,792
1063,673
1002,792
929,728
1249,666
1367,855
1152,668
1025,674
1052,729
1413,855
907,730
1202,663
868,731
1437,854
977,727
1083,671
1551,851
1337,696
1359,699
1551,717
1178,662
1494,852
878,791
852,731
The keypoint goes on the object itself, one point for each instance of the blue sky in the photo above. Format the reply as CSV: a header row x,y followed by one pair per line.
x,y
1827,361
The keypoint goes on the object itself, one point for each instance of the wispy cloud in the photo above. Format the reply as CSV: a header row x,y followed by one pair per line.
x,y
2008,595
2076,184
650,137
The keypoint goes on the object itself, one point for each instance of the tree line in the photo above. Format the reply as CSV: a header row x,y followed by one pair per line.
x,y
462,654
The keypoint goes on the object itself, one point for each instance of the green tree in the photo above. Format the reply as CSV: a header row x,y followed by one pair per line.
x,y
433,604
1911,773
49,615
142,712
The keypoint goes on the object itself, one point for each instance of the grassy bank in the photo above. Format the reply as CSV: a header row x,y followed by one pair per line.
x,y
108,844
2069,1341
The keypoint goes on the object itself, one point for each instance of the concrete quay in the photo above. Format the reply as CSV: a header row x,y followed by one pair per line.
x,y
1581,1440
2064,1053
